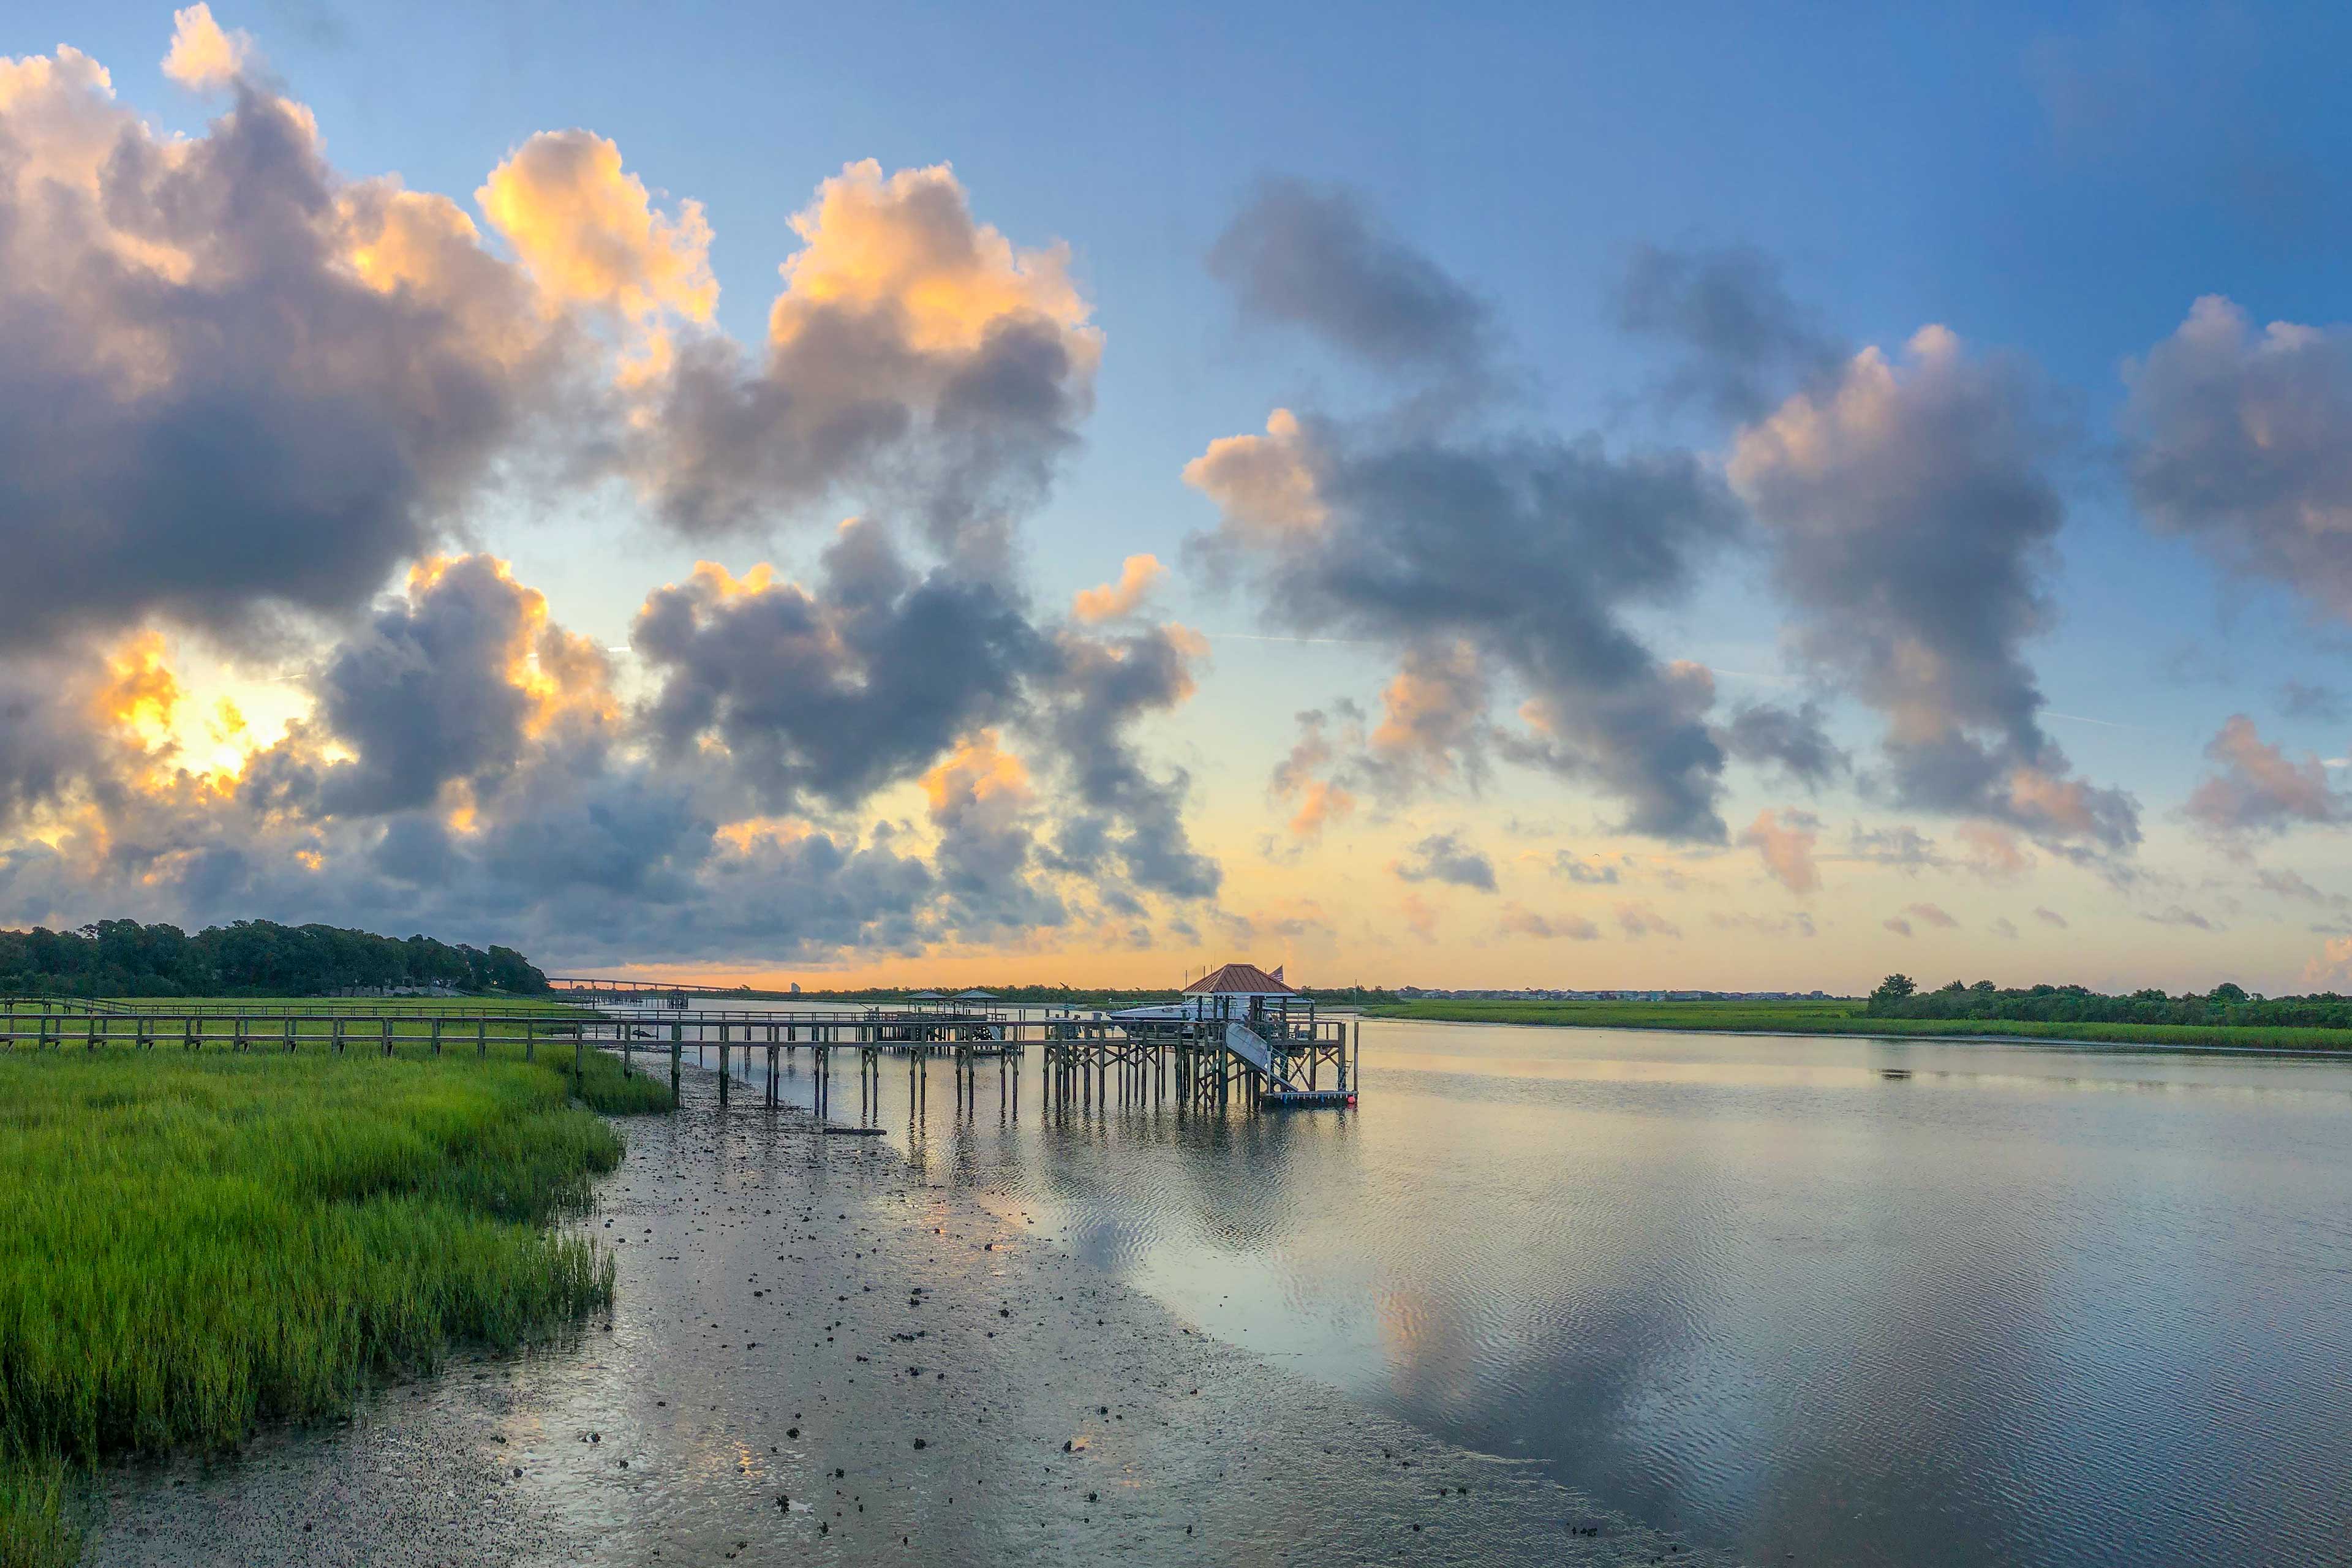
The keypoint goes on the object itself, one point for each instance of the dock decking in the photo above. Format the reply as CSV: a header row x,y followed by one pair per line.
x,y
1289,1061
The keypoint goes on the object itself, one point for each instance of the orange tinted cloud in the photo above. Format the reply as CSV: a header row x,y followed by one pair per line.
x,y
587,230
1322,802
204,57
1137,577
907,244
1264,484
1786,845
977,773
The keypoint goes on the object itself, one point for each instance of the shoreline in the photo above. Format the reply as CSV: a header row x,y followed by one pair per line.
x,y
2308,1053
920,1379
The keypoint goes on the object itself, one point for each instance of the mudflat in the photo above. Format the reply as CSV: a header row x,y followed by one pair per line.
x,y
813,1356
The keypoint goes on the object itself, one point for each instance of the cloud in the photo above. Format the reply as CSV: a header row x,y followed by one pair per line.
x,y
1313,257
1519,921
240,393
1785,844
203,58
1579,868
2257,788
1793,740
2003,927
1520,559
1320,801
1896,924
1746,339
586,230
2238,440
2174,915
982,806
2331,968
2050,917
2301,700
233,381
1420,919
1902,846
1993,850
54,719
1445,857
829,693
916,355
2288,884
444,685
1431,723
1495,562
1795,922
1931,914
1638,919
1092,696
1911,524
1138,576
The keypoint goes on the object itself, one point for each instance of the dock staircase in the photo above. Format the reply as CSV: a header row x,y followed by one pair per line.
x,y
1251,1047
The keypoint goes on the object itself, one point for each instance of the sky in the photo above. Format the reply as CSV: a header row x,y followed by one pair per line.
x,y
1756,498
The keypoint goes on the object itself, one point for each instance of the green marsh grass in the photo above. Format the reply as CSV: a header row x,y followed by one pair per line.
x,y
194,1242
1841,1018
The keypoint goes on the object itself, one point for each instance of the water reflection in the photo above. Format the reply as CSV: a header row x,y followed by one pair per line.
x,y
2024,1305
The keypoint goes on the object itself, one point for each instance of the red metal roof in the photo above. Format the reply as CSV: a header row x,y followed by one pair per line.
x,y
1239,979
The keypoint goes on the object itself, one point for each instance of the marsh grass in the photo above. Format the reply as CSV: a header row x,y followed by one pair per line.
x,y
192,1243
1838,1017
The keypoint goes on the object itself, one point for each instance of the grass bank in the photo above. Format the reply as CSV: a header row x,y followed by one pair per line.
x,y
1848,1018
195,1243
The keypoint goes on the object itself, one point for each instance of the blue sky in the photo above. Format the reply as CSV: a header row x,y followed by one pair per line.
x,y
2056,185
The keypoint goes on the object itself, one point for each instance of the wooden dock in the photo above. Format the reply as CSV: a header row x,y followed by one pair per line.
x,y
1090,1061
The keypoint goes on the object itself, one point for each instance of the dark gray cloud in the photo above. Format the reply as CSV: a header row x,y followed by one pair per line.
x,y
2242,441
1097,689
1313,255
2288,884
1911,521
829,694
1530,552
49,743
1577,869
735,451
2303,700
820,697
1902,846
207,410
1746,342
1793,740
424,694
1445,858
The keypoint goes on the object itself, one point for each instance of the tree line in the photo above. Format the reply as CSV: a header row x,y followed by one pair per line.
x,y
124,958
1899,996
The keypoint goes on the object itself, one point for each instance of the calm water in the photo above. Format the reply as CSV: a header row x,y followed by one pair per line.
x,y
2025,1306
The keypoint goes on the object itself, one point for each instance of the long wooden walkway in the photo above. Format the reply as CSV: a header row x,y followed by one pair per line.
x,y
1087,1060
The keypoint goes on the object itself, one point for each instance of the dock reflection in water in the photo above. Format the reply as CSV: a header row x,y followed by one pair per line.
x,y
2023,1306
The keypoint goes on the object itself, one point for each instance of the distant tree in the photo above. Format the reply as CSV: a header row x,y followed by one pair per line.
x,y
1895,987
1986,986
2228,991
